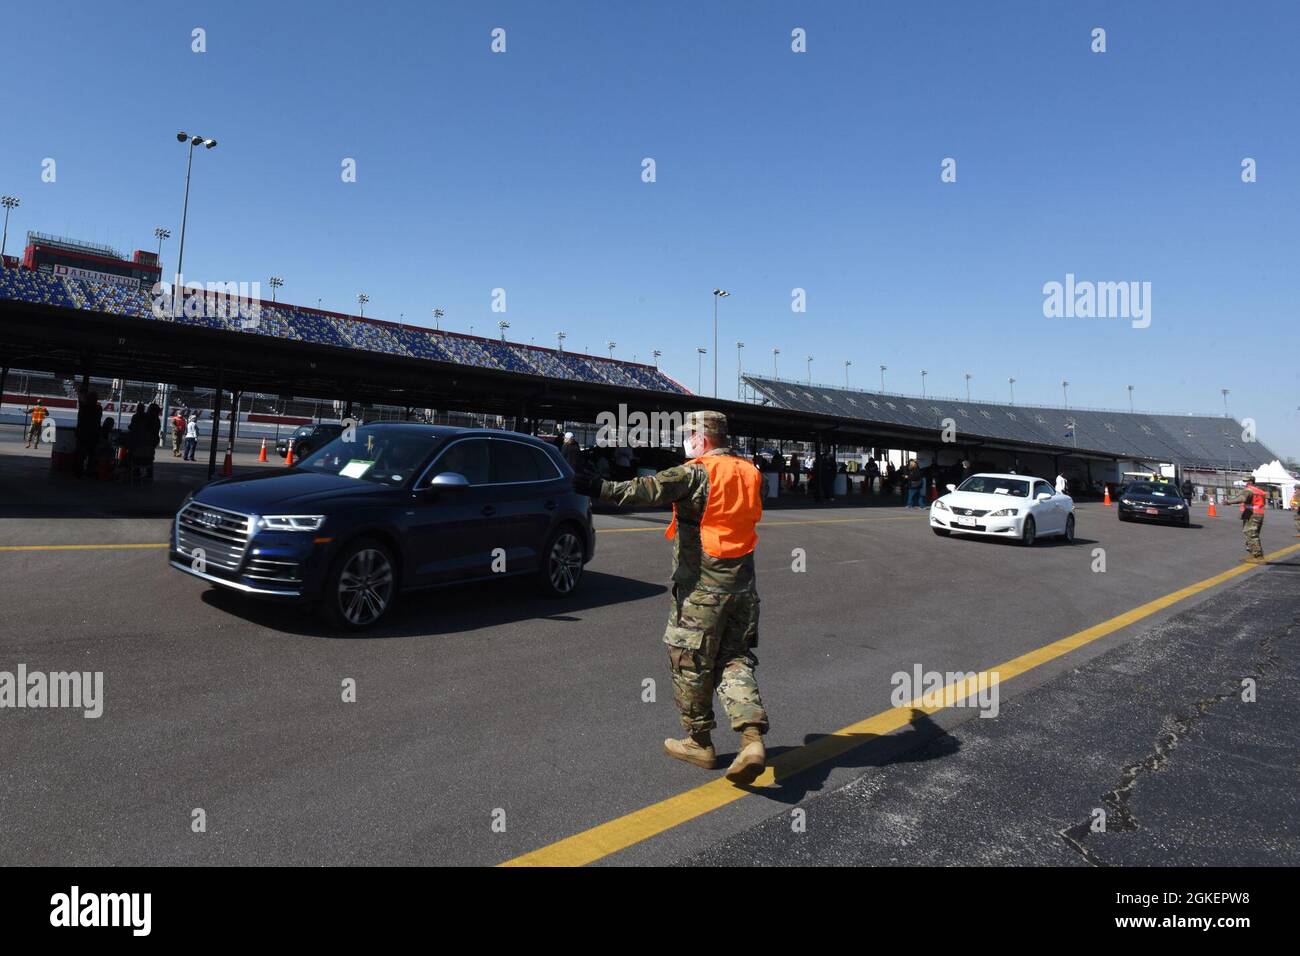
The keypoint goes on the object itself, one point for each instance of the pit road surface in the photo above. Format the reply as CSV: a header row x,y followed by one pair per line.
x,y
485,703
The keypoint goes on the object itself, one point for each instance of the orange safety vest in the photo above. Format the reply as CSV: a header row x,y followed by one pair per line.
x,y
38,415
1257,499
734,507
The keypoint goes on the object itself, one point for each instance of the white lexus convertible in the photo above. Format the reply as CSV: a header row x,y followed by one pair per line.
x,y
1004,506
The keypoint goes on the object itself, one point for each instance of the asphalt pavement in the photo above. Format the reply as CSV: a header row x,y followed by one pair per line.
x,y
491,723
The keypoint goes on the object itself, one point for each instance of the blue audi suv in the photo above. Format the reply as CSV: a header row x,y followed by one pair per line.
x,y
386,508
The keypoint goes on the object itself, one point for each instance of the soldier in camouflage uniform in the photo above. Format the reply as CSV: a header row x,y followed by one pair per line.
x,y
1252,499
713,623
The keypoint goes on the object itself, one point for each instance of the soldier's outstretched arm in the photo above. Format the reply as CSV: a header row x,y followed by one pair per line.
x,y
672,484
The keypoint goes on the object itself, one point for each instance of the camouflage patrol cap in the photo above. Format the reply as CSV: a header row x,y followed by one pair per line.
x,y
711,423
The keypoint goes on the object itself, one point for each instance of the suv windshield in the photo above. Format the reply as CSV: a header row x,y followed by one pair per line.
x,y
387,456
986,485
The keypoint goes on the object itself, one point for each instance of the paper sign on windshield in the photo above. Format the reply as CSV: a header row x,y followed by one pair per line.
x,y
356,468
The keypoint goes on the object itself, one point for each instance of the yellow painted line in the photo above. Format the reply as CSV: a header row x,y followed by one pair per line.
x,y
769,524
618,834
127,547
77,547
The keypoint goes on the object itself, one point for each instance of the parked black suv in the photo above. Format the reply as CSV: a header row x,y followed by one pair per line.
x,y
307,438
388,508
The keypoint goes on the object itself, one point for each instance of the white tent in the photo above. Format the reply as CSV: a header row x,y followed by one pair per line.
x,y
1274,474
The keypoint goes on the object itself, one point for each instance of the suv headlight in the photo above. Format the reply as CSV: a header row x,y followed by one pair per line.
x,y
938,503
291,522
1005,513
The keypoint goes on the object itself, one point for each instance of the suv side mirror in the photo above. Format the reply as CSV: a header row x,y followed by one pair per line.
x,y
449,481
951,487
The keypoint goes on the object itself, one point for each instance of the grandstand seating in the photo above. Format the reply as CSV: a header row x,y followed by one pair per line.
x,y
280,320
1190,440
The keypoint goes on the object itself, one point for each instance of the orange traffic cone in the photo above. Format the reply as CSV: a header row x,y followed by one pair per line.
x,y
1106,500
1211,513
227,467
288,458
261,455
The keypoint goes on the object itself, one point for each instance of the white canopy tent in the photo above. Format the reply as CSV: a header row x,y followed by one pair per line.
x,y
1274,474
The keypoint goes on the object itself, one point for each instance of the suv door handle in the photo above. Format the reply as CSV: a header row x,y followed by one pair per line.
x,y
551,506
489,511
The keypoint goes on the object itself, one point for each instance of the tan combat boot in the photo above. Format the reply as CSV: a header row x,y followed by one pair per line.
x,y
752,758
694,749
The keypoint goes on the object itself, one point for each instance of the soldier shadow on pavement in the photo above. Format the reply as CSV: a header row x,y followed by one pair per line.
x,y
921,740
444,611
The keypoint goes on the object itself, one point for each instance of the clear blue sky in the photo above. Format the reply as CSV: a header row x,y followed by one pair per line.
x,y
775,170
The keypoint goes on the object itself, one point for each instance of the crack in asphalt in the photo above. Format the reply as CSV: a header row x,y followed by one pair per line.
x,y
1117,800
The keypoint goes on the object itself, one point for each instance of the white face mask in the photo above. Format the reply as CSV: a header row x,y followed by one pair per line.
x,y
693,446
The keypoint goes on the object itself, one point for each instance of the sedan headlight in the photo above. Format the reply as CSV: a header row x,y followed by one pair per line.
x,y
291,522
1005,513
938,503
1175,507
1125,501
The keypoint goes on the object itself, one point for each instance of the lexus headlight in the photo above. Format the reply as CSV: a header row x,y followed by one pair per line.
x,y
1125,501
1005,513
291,522
938,503
1176,508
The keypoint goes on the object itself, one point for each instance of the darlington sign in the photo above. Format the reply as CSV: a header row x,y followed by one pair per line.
x,y
91,275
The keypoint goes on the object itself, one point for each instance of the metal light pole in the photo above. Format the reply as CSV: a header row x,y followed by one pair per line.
x,y
847,363
1130,398
9,202
274,282
882,377
162,234
437,319
362,299
1065,393
968,386
185,210
809,361
503,325
1012,383
924,373
739,346
559,341
611,346
657,353
775,353
699,370
717,294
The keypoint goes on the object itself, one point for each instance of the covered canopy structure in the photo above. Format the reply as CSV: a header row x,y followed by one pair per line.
x,y
1190,441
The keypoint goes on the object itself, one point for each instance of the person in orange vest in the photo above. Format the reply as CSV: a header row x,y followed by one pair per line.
x,y
1295,508
1252,499
39,413
717,499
